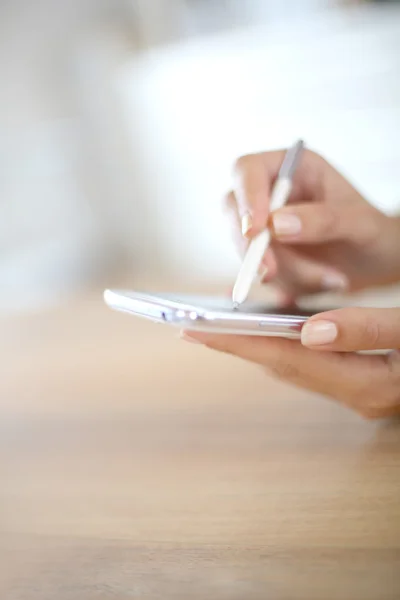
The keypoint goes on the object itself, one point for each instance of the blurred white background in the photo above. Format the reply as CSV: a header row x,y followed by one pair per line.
x,y
120,120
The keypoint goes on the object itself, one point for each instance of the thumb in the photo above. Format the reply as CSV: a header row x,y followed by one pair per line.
x,y
353,329
319,222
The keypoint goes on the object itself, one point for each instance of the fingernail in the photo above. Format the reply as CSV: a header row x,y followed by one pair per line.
x,y
334,281
262,271
318,333
285,224
187,338
246,224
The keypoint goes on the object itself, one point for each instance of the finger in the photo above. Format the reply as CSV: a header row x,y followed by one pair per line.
x,y
240,224
268,266
353,329
321,223
254,176
231,211
295,275
300,275
282,297
365,383
286,358
252,187
237,225
229,203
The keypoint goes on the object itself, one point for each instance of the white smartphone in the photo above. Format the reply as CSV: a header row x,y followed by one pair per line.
x,y
209,314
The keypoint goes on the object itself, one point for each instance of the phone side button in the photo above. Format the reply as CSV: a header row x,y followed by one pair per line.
x,y
264,324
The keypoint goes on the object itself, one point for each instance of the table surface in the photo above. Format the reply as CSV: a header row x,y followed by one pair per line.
x,y
136,466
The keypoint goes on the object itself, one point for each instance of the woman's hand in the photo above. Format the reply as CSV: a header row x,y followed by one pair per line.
x,y
369,384
328,237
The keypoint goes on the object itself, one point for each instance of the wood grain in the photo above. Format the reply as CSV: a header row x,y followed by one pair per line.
x,y
136,466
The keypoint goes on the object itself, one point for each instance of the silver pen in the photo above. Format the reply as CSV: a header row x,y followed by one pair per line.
x,y
256,250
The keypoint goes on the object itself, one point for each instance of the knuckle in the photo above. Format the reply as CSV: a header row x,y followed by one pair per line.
x,y
369,414
368,406
316,156
371,333
374,413
371,229
228,202
282,369
241,164
329,222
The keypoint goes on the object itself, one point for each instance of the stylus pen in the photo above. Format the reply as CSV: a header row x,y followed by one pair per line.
x,y
256,250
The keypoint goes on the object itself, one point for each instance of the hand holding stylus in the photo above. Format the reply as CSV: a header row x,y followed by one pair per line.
x,y
327,237
279,196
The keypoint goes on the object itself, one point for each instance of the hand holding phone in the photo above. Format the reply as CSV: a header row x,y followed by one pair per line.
x,y
209,314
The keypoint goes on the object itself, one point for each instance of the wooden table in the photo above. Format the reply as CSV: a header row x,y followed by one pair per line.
x,y
136,466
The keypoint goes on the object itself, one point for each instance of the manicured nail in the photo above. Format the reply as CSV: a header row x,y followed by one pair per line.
x,y
286,224
246,224
334,281
187,338
318,333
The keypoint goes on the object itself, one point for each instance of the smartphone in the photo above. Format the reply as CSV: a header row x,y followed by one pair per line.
x,y
210,314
